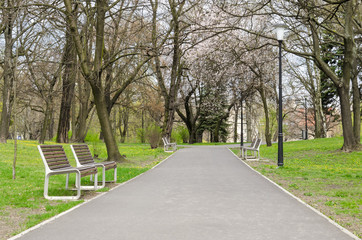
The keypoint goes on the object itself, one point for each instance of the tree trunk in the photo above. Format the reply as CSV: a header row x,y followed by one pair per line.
x,y
266,113
69,76
356,110
124,117
80,130
349,74
143,127
192,136
8,75
275,135
199,136
170,113
51,125
350,71
236,123
349,140
248,122
216,137
101,106
319,131
46,122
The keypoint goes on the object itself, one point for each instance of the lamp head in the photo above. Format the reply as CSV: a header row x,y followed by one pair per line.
x,y
279,30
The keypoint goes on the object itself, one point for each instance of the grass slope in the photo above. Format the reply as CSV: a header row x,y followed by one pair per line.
x,y
317,172
22,204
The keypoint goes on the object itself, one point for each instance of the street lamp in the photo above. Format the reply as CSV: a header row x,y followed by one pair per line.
x,y
241,123
279,29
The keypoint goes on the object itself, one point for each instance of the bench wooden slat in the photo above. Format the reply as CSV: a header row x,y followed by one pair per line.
x,y
55,156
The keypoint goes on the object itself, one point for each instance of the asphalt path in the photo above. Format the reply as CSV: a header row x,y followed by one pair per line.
x,y
198,193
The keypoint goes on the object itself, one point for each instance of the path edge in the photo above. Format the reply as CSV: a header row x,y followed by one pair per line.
x,y
85,202
346,231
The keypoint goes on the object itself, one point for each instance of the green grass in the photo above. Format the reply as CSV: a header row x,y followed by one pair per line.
x,y
316,171
23,197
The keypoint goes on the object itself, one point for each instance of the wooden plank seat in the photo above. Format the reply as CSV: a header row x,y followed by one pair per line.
x,y
167,145
56,162
254,150
83,157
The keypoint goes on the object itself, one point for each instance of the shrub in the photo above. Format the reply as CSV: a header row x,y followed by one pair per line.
x,y
181,134
153,135
92,137
141,135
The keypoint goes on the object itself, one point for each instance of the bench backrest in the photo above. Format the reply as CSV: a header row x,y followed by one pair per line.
x,y
82,154
54,156
253,143
257,144
165,141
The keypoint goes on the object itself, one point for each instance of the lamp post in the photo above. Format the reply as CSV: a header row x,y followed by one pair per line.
x,y
241,124
306,118
279,29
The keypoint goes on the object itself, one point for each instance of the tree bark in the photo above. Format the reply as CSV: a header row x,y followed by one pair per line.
x,y
349,73
101,106
46,121
216,132
266,113
69,75
319,131
123,123
80,130
356,111
8,73
236,123
190,118
248,122
349,140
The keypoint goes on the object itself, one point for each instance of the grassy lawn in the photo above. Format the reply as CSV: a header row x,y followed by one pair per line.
x,y
321,175
22,204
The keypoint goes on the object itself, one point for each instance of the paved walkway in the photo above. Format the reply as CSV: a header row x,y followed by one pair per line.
x,y
199,193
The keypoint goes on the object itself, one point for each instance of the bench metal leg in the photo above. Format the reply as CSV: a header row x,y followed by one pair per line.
x,y
103,177
67,182
115,175
94,187
104,181
255,155
46,187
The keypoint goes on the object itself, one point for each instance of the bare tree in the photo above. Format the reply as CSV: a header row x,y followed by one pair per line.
x,y
92,72
339,20
309,22
10,10
69,77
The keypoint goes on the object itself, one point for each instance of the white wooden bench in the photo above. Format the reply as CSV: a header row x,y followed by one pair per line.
x,y
241,153
56,162
254,150
167,145
83,158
